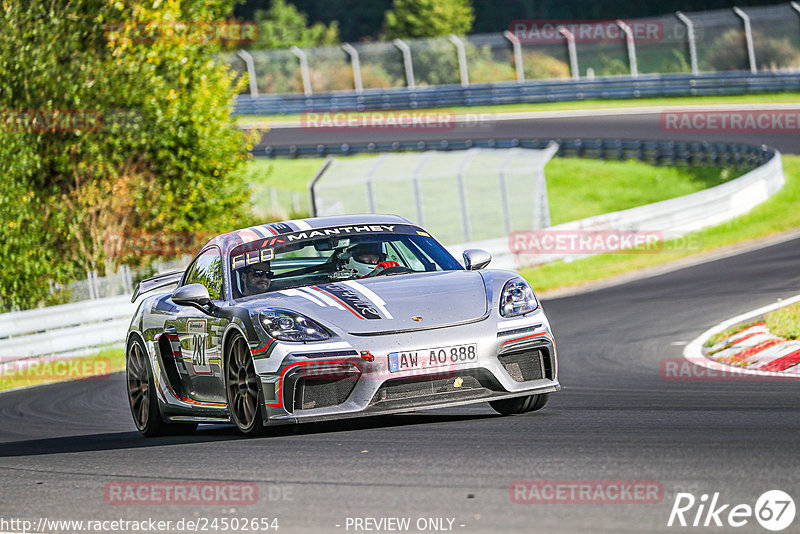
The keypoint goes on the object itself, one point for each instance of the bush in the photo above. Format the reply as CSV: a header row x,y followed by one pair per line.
x,y
162,157
542,66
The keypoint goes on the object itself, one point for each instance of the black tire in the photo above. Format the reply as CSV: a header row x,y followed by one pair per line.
x,y
519,405
142,396
245,401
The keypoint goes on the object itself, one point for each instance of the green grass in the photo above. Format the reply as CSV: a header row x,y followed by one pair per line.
x,y
771,98
779,213
102,363
728,332
576,187
785,322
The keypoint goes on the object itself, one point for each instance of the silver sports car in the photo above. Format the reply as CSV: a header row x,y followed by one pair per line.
x,y
333,317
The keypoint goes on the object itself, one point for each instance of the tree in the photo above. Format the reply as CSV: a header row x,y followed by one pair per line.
x,y
283,26
113,122
428,18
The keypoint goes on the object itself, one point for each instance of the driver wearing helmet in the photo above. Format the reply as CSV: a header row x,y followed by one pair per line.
x,y
369,259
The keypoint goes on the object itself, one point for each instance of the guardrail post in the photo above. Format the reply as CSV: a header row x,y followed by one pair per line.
x,y
462,59
748,36
251,70
573,52
629,40
691,40
407,63
517,54
303,69
356,65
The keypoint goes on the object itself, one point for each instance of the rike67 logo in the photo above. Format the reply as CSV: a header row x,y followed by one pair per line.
x,y
774,510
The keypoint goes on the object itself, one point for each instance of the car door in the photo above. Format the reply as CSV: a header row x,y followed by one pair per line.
x,y
200,334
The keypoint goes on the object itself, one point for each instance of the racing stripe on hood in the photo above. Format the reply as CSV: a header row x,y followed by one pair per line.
x,y
371,296
298,293
351,299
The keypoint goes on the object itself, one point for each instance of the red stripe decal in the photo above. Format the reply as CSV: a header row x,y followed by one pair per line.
x,y
334,297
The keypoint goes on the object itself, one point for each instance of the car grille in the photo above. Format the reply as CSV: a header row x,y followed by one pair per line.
x,y
315,393
419,391
527,364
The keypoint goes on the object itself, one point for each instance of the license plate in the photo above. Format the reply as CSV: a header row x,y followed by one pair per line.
x,y
429,358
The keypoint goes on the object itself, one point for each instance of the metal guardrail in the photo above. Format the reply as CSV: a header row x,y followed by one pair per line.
x,y
533,91
64,329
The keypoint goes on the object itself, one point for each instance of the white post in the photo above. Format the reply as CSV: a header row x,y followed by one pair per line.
x,y
748,36
303,69
356,64
417,191
573,52
462,194
517,54
251,71
462,59
690,38
631,47
409,66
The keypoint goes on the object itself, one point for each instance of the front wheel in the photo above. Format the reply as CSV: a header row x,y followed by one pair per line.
x,y
519,405
142,396
241,387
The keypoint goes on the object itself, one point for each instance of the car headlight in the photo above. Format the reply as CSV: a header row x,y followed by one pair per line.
x,y
517,298
289,326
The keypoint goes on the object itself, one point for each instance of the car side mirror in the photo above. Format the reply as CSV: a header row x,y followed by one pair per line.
x,y
476,258
193,295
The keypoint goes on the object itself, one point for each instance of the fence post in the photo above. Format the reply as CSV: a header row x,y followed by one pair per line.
x,y
517,54
356,64
303,69
629,40
462,194
573,52
462,59
313,182
690,38
415,184
501,179
251,70
748,36
407,63
368,177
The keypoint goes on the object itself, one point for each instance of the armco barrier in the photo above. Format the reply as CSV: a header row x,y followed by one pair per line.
x,y
616,87
64,329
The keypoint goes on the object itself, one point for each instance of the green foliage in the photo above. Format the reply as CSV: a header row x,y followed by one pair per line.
x,y
542,66
283,26
157,154
412,19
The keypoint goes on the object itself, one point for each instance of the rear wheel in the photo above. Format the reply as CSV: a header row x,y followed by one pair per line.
x,y
241,386
142,395
519,405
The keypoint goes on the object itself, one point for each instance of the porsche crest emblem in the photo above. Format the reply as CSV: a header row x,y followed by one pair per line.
x,y
417,318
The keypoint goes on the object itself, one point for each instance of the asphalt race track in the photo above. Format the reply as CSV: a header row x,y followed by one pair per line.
x,y
617,419
626,124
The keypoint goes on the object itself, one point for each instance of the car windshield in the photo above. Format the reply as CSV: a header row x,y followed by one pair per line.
x,y
334,254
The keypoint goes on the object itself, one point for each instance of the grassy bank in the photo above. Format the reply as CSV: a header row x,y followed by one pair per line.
x,y
97,365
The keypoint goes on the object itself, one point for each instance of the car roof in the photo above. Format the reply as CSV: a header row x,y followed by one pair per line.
x,y
227,241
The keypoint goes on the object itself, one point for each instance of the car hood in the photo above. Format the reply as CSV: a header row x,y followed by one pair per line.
x,y
388,303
